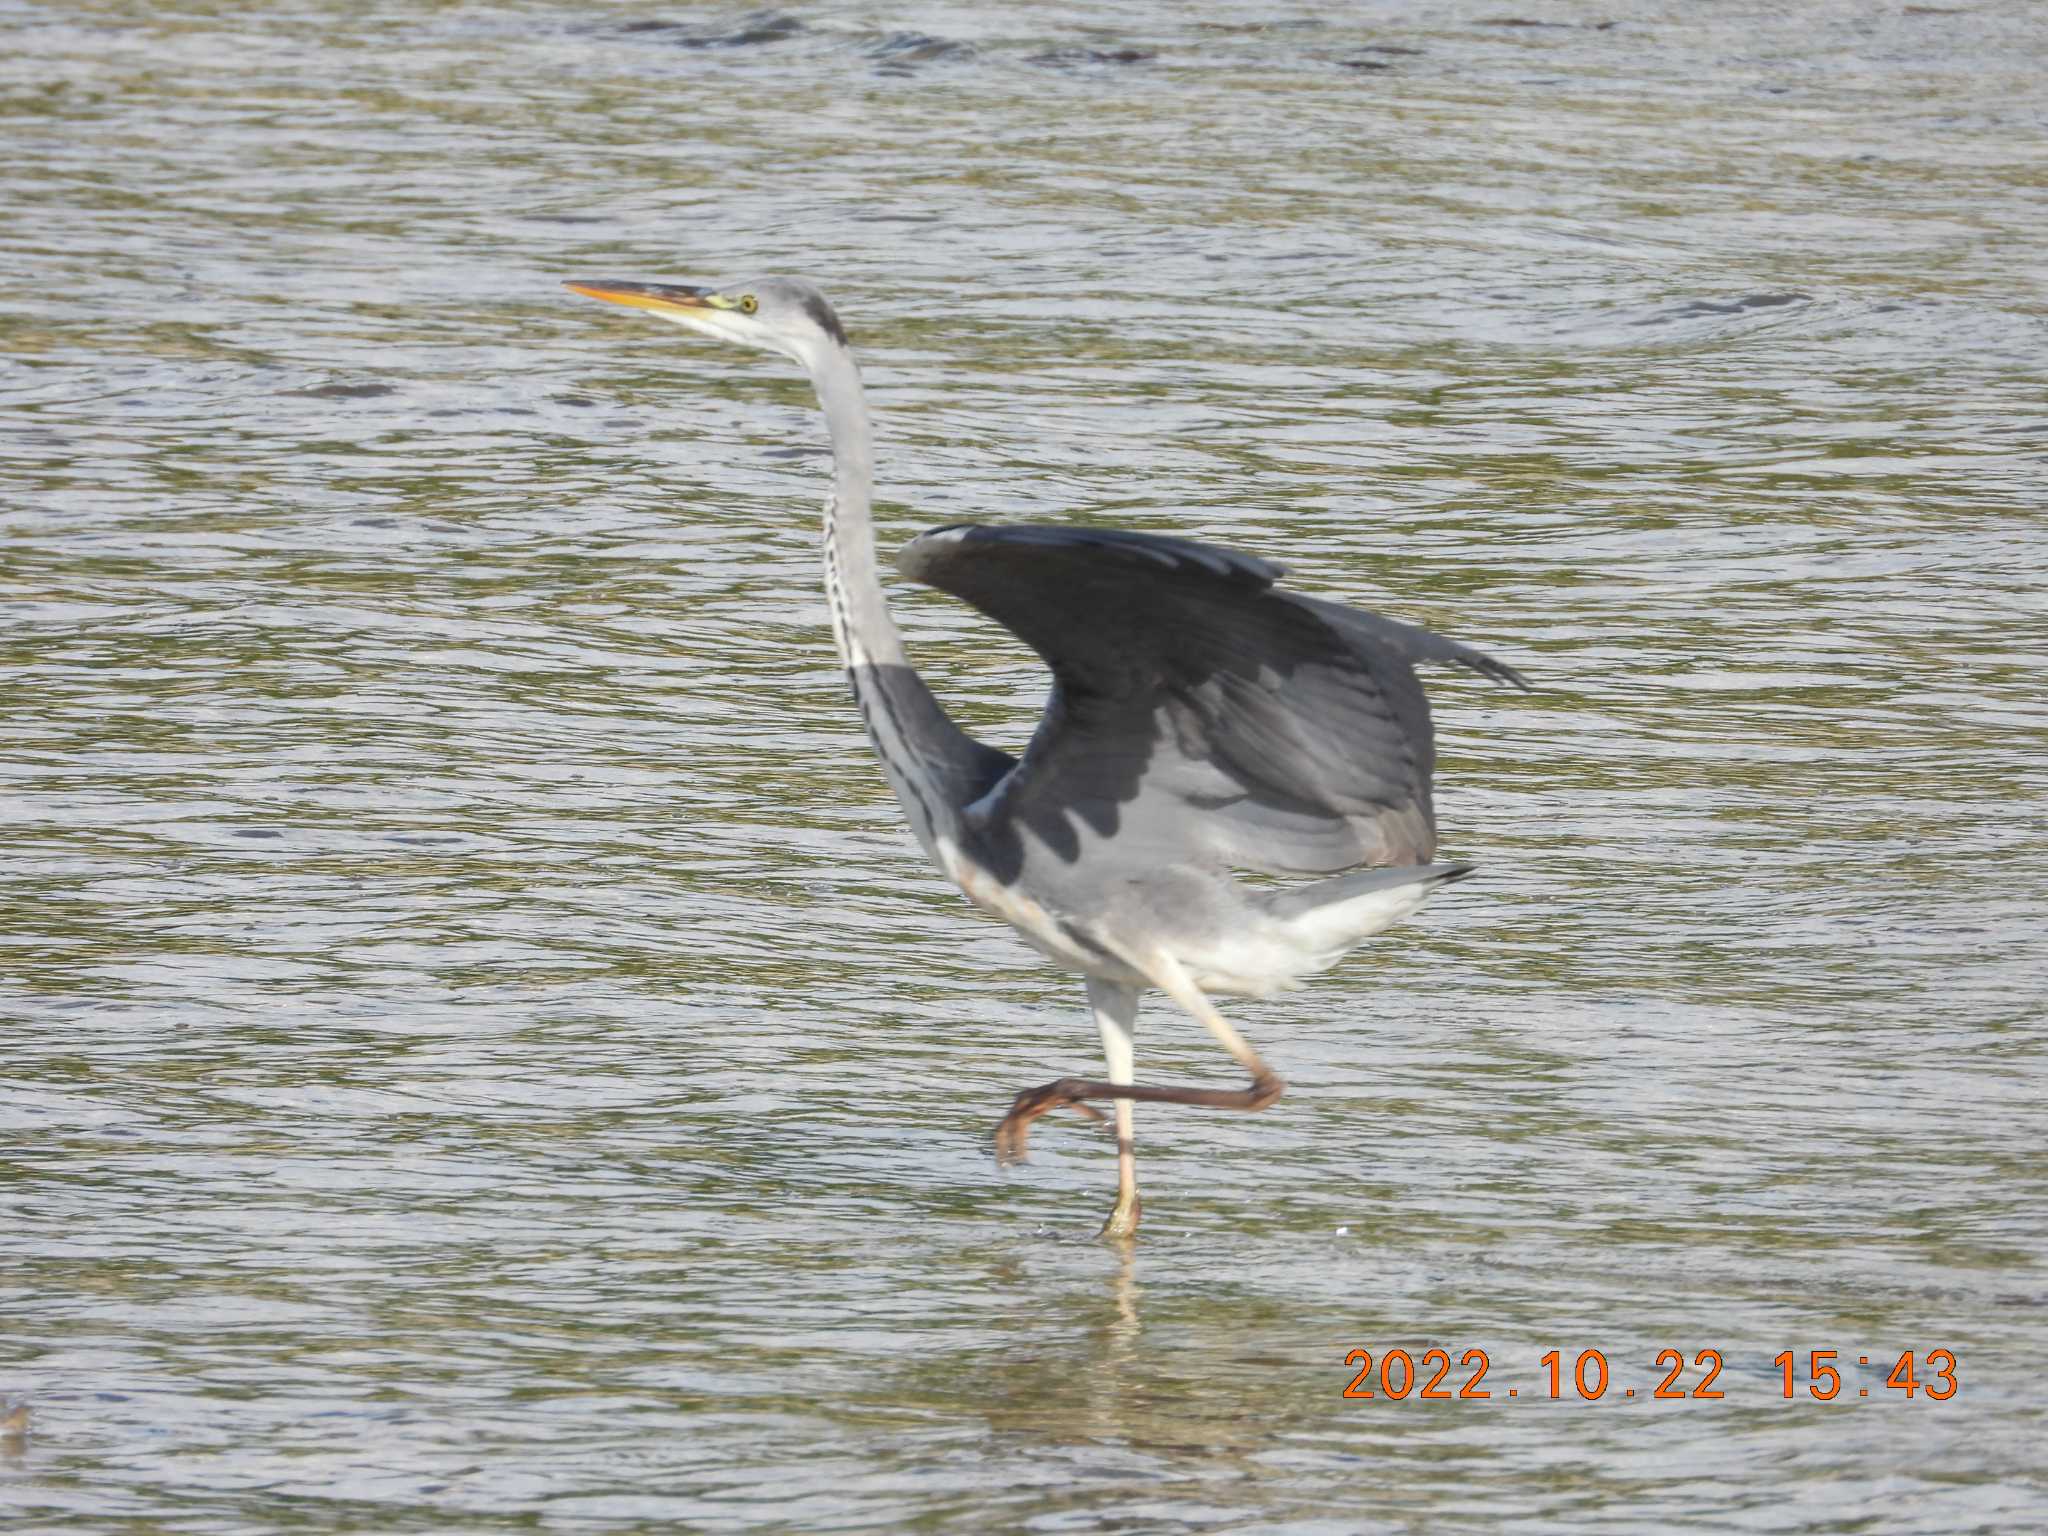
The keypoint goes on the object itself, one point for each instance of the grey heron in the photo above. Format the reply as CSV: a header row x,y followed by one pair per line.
x,y
1202,721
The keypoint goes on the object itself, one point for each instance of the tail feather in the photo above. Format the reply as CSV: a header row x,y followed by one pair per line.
x,y
1325,920
1305,899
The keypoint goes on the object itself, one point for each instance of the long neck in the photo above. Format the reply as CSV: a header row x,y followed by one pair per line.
x,y
861,625
934,767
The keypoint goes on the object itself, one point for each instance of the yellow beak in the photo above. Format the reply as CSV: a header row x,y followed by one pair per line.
x,y
654,296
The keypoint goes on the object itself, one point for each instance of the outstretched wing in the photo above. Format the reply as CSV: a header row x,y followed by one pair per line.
x,y
1198,712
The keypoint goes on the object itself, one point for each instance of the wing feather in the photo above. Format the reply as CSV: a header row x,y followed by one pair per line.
x,y
1197,709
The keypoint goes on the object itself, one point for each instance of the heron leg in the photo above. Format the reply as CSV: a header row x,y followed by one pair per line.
x,y
1116,1014
1014,1134
1169,977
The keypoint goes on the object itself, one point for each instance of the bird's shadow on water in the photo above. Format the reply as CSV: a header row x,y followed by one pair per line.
x,y
1166,1346
1079,1369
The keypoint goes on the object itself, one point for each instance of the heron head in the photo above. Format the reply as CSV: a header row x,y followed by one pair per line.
x,y
780,314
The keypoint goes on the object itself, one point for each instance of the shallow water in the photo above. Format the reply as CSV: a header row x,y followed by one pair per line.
x,y
481,1051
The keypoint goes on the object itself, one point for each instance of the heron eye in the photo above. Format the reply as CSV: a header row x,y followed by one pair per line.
x,y
748,304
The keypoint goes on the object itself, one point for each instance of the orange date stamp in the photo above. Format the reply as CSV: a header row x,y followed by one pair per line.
x,y
1397,1376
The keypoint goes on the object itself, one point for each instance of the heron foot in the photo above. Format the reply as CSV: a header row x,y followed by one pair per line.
x,y
1122,1225
1013,1136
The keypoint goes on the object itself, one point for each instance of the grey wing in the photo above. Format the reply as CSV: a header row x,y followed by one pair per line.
x,y
1198,714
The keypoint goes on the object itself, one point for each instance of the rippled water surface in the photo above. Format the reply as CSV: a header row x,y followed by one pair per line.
x,y
481,1051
